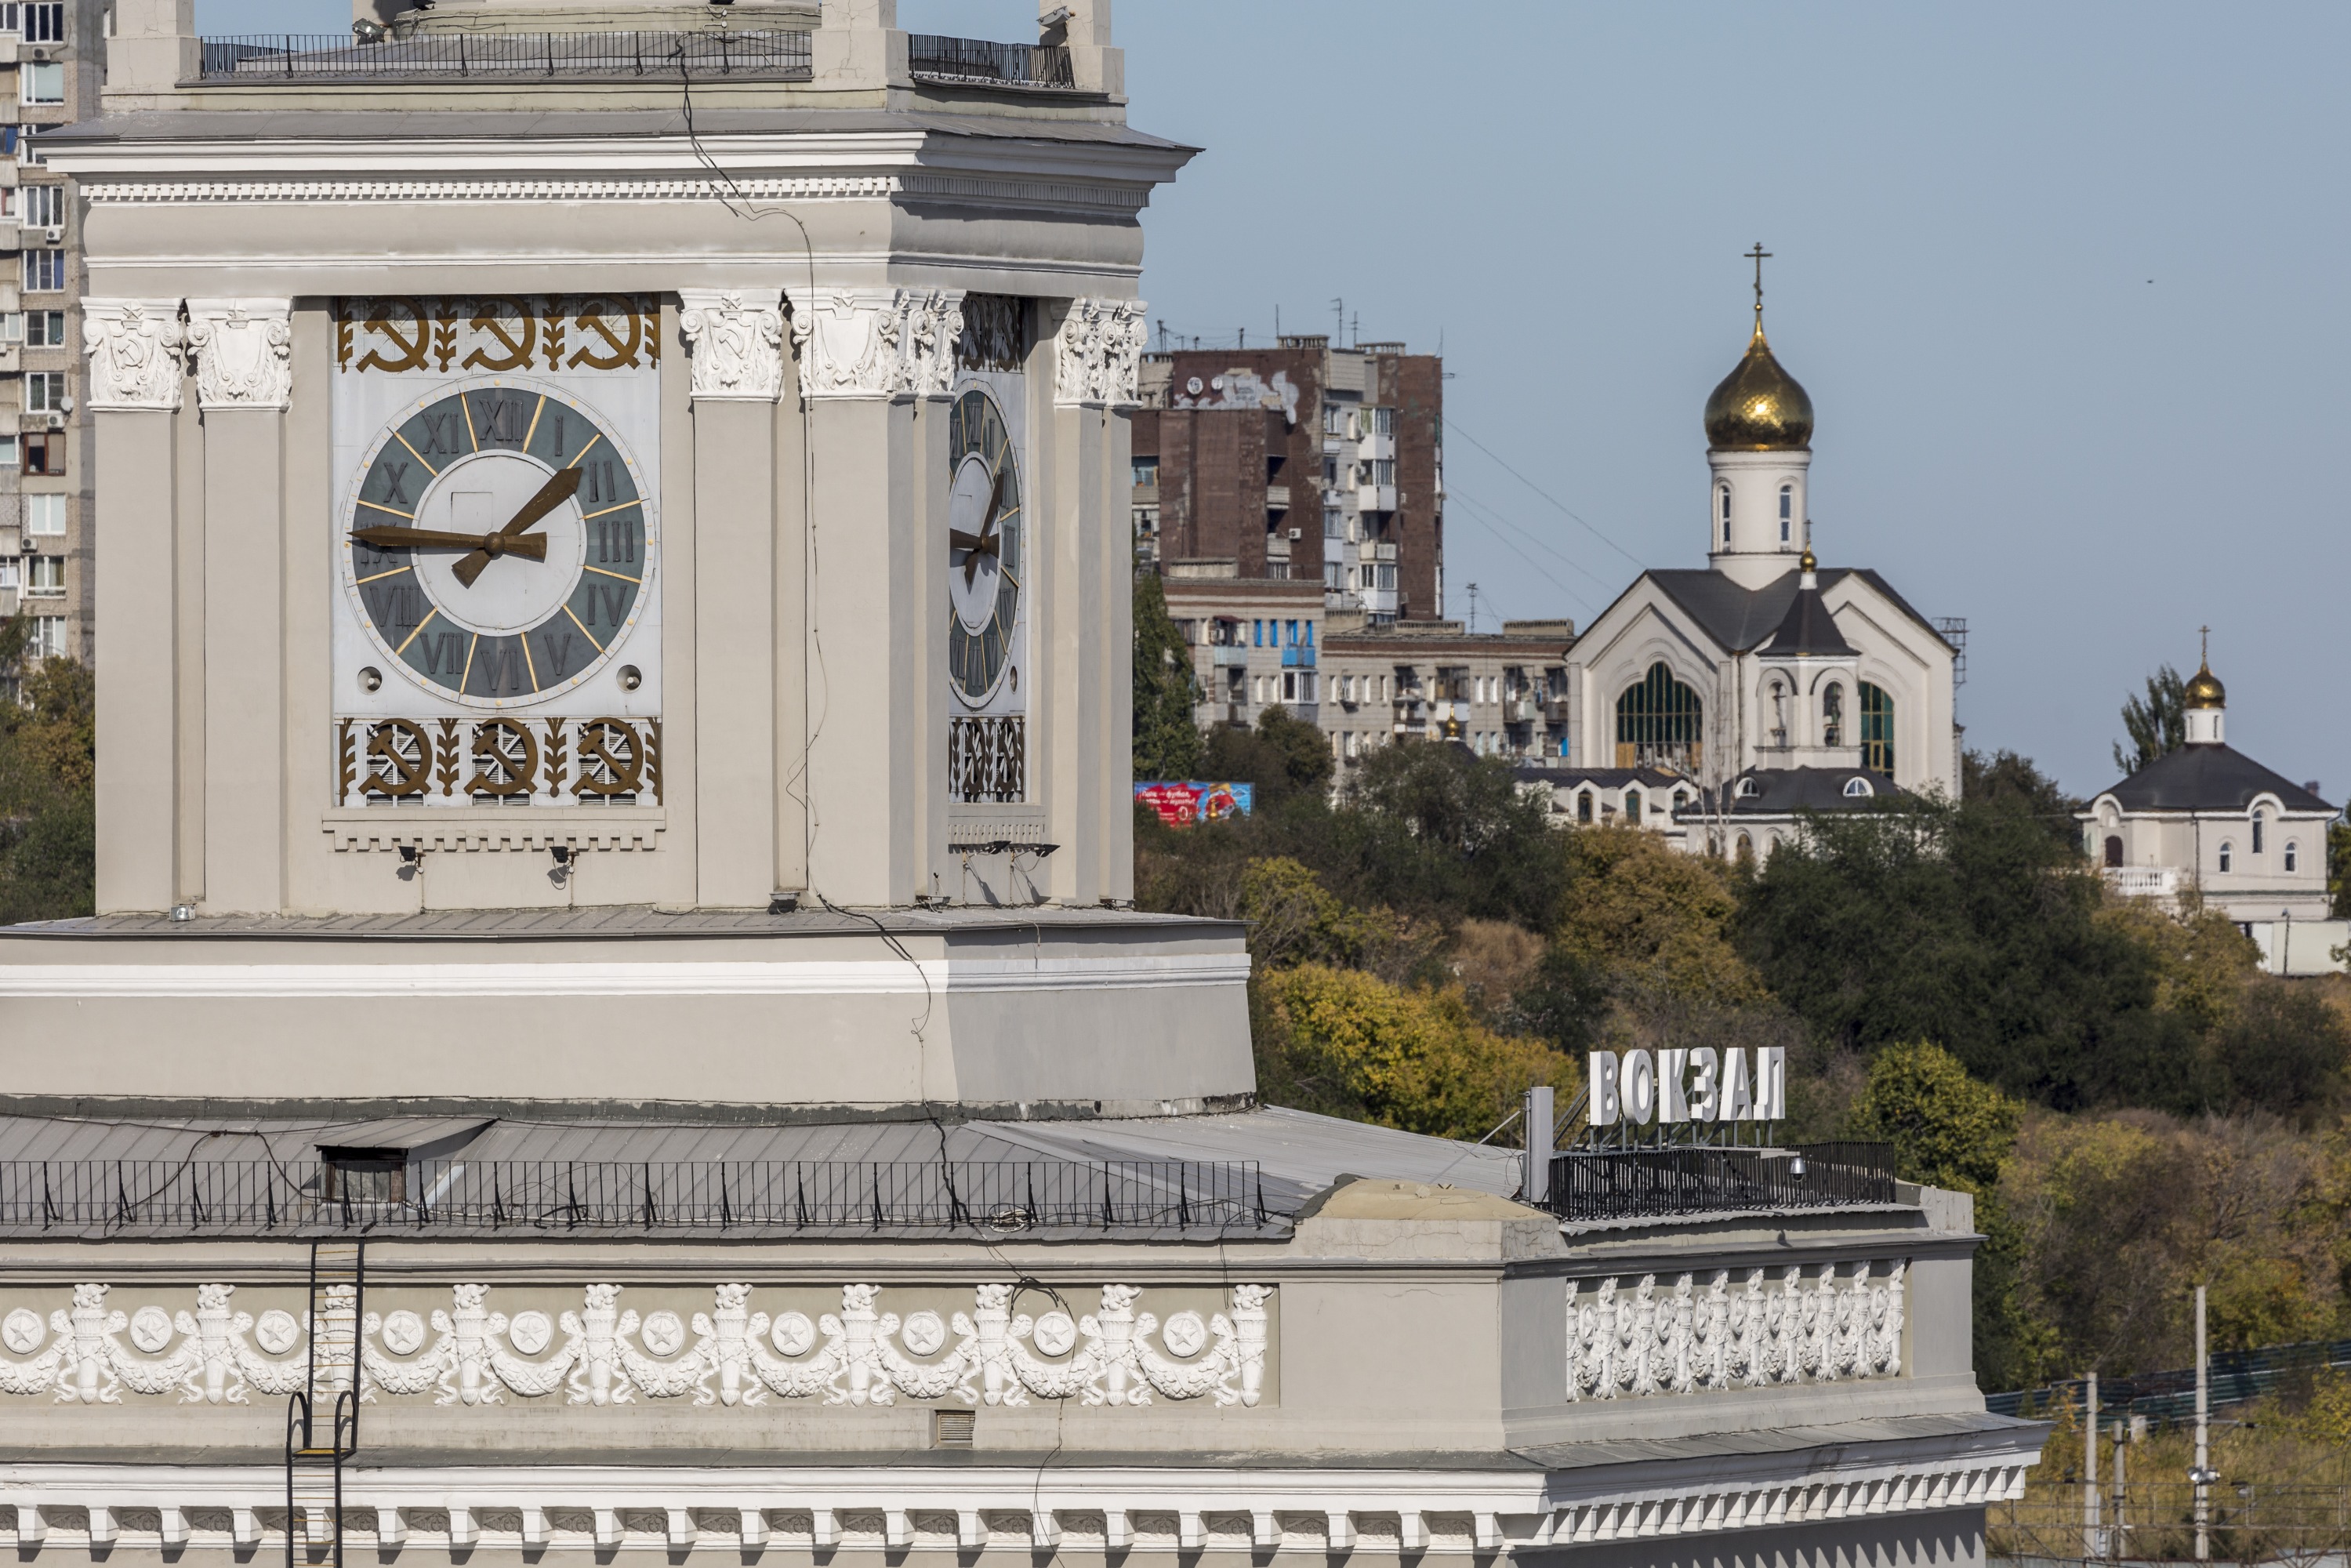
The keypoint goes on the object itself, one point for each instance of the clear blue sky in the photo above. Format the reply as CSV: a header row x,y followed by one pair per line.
x,y
2065,283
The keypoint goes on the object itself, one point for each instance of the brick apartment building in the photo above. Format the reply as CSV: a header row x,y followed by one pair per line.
x,y
1302,463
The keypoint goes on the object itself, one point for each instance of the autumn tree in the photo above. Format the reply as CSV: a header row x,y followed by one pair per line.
x,y
1166,740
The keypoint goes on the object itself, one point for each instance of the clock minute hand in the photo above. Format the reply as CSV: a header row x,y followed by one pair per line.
x,y
431,538
987,542
560,486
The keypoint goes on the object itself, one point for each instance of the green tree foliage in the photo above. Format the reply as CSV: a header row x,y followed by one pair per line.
x,y
1283,756
1659,918
1350,1044
2155,722
1965,925
1952,1132
1166,741
2338,869
49,752
2004,775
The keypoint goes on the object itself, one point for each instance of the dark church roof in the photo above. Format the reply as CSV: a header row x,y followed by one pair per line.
x,y
2209,777
1741,617
1780,791
1808,630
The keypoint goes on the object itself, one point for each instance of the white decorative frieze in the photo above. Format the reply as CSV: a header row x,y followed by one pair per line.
x,y
738,348
1098,354
244,350
605,1353
137,351
1629,1336
877,342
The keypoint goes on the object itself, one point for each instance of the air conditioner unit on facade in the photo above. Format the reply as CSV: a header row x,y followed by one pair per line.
x,y
1298,533
55,420
55,233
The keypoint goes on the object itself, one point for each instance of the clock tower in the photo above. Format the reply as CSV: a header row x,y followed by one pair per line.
x,y
663,509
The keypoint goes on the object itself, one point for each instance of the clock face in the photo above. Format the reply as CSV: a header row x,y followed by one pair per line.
x,y
985,569
498,544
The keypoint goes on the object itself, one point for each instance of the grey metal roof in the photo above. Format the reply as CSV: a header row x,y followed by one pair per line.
x,y
1605,777
1808,630
2209,777
629,921
1956,1429
1741,617
1782,790
1298,1154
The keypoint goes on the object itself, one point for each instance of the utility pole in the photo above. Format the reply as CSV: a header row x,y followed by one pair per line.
x,y
2115,1534
2202,1475
2092,1545
1535,1125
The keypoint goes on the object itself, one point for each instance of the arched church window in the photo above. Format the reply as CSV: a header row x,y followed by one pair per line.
x,y
2226,853
1787,509
1746,850
1748,789
1833,715
1632,807
2289,854
1659,723
1725,493
1583,807
1855,788
1877,729
2113,850
2261,821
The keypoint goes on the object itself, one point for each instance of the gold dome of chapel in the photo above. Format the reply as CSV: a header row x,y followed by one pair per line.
x,y
1758,407
2205,690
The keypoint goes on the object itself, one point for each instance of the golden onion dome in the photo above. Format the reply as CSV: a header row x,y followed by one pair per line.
x,y
1758,407
2205,690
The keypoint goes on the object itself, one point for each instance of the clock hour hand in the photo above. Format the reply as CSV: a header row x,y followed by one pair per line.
x,y
987,542
560,486
533,545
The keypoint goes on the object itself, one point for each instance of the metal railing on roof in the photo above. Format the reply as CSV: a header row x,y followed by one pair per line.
x,y
1637,1184
933,58
434,56
554,1197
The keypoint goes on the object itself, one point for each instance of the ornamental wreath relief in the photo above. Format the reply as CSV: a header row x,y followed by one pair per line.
x,y
605,1354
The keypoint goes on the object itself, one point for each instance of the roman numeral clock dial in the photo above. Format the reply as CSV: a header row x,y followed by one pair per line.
x,y
499,545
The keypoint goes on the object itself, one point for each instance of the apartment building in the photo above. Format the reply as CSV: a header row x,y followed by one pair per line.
x,y
55,52
1501,694
1255,643
1302,463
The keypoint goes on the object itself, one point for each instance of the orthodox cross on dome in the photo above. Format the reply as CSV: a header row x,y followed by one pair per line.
x,y
1759,255
2203,645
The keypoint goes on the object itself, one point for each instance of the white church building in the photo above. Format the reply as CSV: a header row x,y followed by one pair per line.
x,y
2206,818
1762,684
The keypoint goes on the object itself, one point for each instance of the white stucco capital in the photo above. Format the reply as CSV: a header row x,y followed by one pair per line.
x,y
137,350
244,351
736,346
1098,354
877,342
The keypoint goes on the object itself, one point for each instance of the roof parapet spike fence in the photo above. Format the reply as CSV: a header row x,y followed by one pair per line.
x,y
1660,1183
772,1198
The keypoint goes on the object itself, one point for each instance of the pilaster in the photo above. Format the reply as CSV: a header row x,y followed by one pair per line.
x,y
136,376
736,342
244,381
1097,352
862,354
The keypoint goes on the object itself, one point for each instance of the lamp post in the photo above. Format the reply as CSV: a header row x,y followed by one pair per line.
x,y
2202,1474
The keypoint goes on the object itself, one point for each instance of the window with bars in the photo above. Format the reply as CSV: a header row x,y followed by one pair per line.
x,y
1877,729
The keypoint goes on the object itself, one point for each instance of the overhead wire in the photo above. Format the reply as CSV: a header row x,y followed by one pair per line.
x,y
1454,425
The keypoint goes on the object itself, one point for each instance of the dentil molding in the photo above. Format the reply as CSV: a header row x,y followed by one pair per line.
x,y
877,342
738,348
137,351
244,351
1098,354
